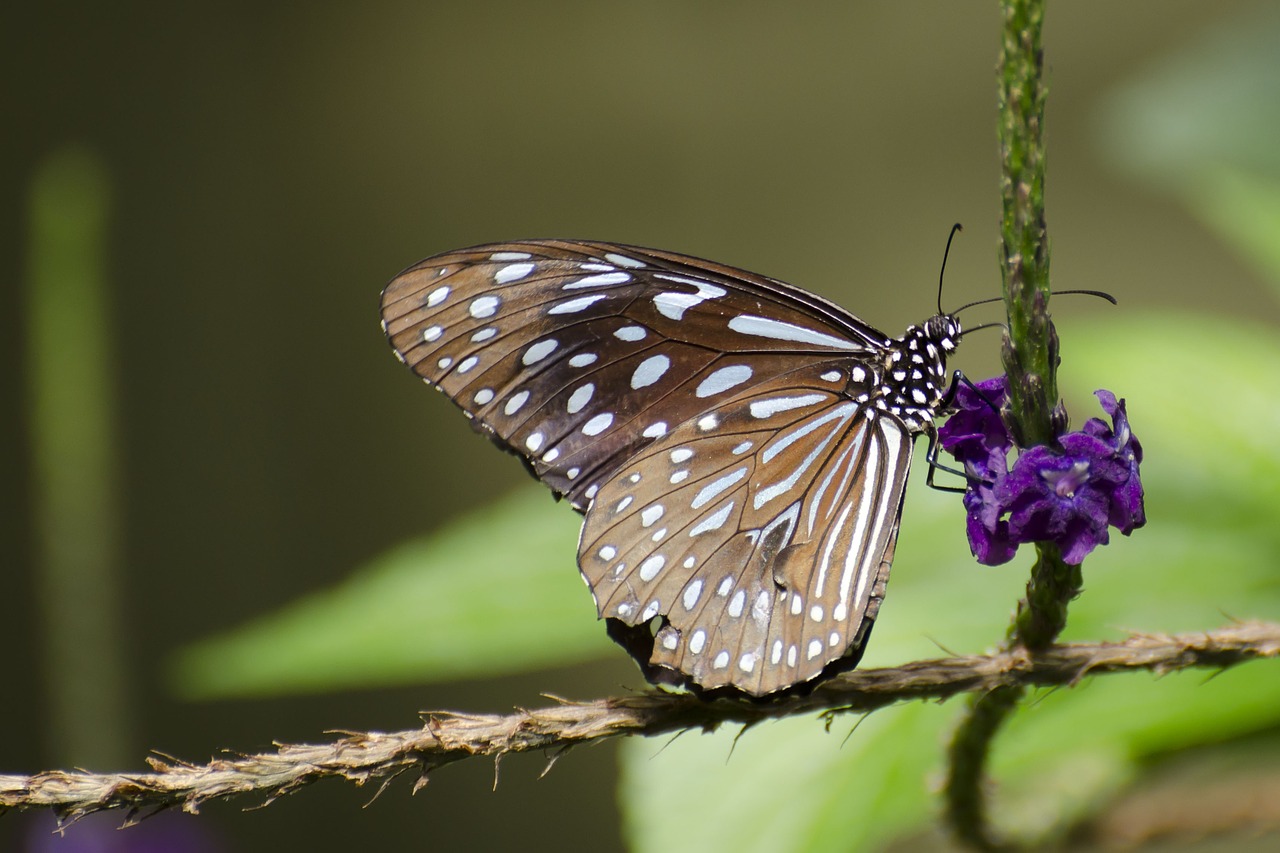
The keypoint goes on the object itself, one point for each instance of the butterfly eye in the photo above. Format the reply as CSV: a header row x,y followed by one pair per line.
x,y
738,446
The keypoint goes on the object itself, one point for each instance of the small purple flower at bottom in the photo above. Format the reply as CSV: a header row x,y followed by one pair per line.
x,y
1068,496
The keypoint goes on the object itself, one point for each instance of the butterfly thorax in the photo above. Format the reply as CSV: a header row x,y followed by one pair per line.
x,y
911,379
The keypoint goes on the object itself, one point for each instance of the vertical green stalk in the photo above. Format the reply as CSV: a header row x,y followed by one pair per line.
x,y
1030,353
1034,413
70,412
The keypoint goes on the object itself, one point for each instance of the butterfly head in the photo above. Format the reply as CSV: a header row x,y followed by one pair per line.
x,y
944,331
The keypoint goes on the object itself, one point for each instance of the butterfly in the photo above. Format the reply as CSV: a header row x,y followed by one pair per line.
x,y
739,447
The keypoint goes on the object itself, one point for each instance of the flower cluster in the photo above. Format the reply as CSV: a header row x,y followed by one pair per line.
x,y
1068,495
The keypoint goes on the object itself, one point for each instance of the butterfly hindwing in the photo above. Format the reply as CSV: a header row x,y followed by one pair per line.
x,y
758,537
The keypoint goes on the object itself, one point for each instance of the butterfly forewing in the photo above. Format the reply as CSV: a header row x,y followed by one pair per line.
x,y
740,446
574,355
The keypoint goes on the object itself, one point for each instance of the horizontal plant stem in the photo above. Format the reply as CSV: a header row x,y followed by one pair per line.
x,y
448,736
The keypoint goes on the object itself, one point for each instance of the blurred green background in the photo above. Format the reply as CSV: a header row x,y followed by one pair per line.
x,y
203,423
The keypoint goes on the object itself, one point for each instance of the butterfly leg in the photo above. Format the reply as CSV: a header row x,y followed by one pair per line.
x,y
931,456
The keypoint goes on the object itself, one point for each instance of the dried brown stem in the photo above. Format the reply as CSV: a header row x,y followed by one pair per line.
x,y
448,736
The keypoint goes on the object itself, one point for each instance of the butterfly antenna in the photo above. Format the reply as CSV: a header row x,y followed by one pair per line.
x,y
1098,293
1101,294
970,331
945,252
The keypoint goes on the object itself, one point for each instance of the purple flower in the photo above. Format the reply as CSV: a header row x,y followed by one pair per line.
x,y
1126,511
1069,495
975,435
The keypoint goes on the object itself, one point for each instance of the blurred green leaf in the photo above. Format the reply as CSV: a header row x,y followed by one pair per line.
x,y
1244,210
1208,104
1202,125
496,592
787,785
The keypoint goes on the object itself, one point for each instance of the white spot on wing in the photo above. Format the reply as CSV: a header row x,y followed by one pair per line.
x,y
573,306
580,397
510,256
435,297
484,306
517,400
630,333
537,352
673,305
649,568
655,430
515,272
650,371
600,280
623,260
718,486
723,379
776,405
432,333
582,359
691,594
534,441
598,424
714,521
763,327
650,515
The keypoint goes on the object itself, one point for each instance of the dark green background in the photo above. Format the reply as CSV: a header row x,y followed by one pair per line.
x,y
273,165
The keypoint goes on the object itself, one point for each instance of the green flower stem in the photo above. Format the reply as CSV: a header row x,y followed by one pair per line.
x,y
1030,346
1034,414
